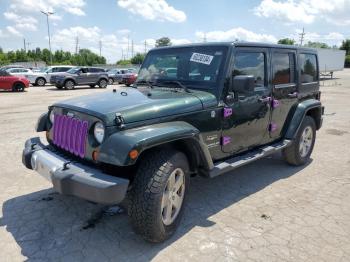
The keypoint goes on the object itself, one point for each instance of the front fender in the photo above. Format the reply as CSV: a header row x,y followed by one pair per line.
x,y
41,125
299,114
115,150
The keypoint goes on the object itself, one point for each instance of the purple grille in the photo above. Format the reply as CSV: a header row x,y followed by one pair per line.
x,y
70,134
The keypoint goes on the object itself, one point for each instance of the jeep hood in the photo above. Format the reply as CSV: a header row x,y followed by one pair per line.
x,y
139,104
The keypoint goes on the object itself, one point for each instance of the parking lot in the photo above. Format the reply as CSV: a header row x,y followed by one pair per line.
x,y
266,211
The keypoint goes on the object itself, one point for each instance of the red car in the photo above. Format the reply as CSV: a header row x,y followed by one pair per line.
x,y
129,78
11,82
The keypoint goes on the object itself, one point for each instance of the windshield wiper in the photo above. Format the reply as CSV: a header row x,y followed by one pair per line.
x,y
178,83
144,82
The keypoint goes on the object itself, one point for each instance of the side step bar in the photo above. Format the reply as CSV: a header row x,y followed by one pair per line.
x,y
230,164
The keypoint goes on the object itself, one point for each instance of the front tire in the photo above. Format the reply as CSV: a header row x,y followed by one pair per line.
x,y
158,194
102,83
69,85
40,81
18,87
110,81
299,152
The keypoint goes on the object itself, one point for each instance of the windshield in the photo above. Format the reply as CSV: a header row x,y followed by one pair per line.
x,y
73,70
196,65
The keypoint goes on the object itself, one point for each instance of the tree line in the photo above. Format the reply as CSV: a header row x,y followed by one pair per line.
x,y
84,58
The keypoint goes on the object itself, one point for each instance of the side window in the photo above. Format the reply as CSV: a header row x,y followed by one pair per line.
x,y
84,70
55,69
283,68
250,63
93,70
308,67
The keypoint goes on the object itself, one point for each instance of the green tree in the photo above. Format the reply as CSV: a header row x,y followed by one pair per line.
x,y
163,41
346,46
347,61
137,59
317,45
286,41
124,62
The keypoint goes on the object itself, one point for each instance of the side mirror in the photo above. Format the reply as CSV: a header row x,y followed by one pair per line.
x,y
243,83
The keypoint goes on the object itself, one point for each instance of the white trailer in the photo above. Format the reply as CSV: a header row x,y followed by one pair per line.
x,y
330,61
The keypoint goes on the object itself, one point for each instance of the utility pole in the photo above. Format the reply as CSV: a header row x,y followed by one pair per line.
x,y
24,45
132,48
48,30
145,46
127,52
100,45
28,44
77,45
302,35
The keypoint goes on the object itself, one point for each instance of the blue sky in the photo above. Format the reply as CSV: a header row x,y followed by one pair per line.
x,y
115,21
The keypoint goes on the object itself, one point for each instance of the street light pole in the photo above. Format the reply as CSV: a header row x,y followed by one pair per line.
x,y
48,31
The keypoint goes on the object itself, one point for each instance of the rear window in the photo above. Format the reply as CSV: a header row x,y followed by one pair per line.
x,y
96,70
283,68
308,67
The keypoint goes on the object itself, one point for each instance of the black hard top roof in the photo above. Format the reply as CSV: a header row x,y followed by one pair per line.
x,y
242,44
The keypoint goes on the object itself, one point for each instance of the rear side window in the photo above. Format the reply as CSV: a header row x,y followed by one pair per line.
x,y
250,63
283,68
96,70
308,67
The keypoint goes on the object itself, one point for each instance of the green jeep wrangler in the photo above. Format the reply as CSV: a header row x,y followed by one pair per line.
x,y
199,109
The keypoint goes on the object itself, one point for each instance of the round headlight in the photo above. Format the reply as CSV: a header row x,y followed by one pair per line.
x,y
52,117
99,132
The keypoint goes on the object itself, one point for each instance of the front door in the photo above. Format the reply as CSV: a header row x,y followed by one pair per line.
x,y
246,120
82,77
284,83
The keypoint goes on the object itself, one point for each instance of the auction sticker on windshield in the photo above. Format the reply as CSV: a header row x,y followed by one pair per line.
x,y
201,58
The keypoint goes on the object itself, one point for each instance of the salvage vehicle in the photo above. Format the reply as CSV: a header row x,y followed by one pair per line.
x,y
35,78
225,105
13,83
78,76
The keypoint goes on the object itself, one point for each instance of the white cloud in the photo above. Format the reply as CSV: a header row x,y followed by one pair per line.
x,y
13,31
181,41
305,11
27,23
71,6
237,33
153,10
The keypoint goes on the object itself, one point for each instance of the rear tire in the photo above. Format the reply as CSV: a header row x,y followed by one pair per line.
x,y
40,81
157,197
299,152
102,83
69,85
18,87
110,81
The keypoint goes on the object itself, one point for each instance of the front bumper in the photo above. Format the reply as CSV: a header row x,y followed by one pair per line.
x,y
70,178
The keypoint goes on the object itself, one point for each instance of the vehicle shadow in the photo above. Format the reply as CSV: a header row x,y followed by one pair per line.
x,y
49,226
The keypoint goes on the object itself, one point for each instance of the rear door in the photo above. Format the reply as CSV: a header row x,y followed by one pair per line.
x,y
284,88
246,121
83,76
